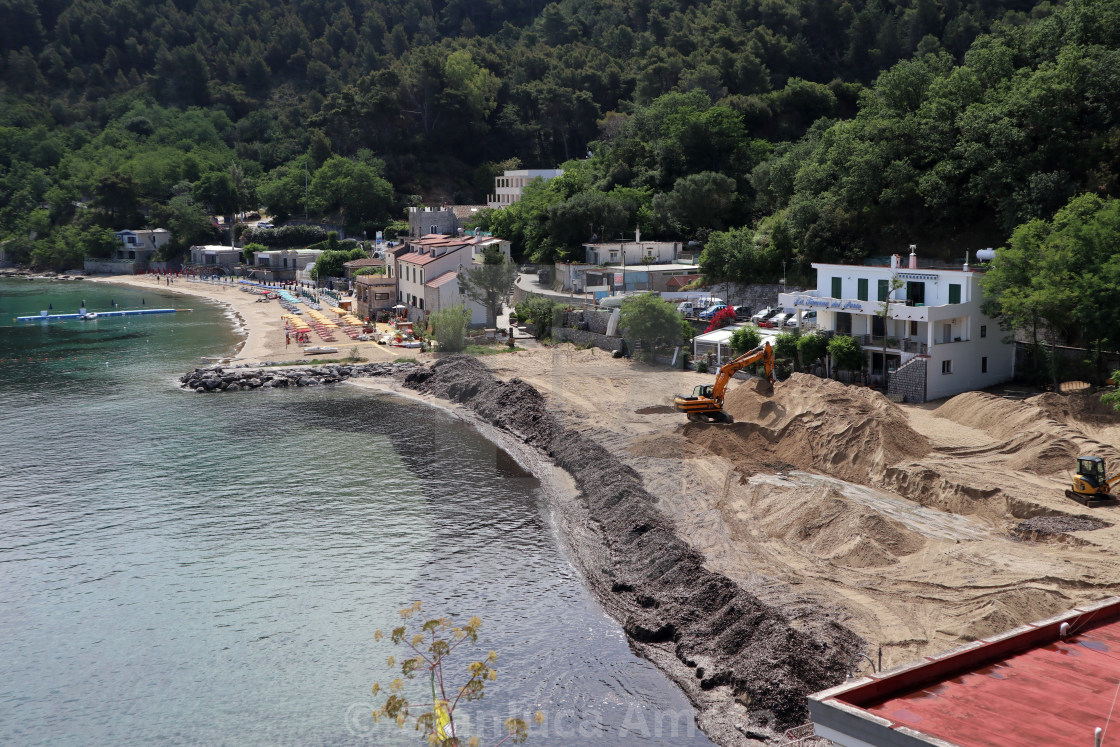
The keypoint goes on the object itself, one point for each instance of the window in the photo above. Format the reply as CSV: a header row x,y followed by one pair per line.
x,y
837,288
983,330
380,296
954,292
861,289
946,367
913,328
421,304
421,275
884,289
984,365
432,228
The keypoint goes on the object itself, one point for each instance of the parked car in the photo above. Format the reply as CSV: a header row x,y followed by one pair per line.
x,y
765,314
742,313
808,319
775,321
688,308
709,313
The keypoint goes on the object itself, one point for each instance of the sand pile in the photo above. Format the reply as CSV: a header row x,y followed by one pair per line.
x,y
1033,440
816,424
825,524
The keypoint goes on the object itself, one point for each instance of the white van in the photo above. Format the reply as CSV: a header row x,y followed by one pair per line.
x,y
691,308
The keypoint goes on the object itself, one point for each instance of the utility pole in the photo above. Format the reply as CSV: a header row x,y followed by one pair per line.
x,y
305,190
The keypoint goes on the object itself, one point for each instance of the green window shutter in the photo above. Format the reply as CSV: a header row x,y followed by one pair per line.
x,y
836,288
861,289
884,286
954,293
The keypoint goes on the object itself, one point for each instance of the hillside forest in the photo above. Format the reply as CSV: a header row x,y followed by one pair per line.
x,y
763,131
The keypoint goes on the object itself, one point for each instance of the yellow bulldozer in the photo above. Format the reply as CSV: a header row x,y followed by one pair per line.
x,y
706,402
1091,485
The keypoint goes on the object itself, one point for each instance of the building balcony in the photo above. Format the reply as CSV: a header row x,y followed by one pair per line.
x,y
873,342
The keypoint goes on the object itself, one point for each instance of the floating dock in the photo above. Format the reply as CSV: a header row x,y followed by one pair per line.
x,y
45,317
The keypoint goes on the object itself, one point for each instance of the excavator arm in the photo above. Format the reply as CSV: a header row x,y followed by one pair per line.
x,y
762,354
706,402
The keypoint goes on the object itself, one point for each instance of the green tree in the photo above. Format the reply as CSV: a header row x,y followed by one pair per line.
x,y
489,283
654,322
744,339
785,346
812,347
884,312
449,327
352,188
847,352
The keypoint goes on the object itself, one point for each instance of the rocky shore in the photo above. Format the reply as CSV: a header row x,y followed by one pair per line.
x,y
218,379
23,272
745,663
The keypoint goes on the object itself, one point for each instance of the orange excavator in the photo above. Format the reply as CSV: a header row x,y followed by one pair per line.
x,y
706,402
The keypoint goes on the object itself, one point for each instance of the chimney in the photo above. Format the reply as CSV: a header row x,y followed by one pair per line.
x,y
913,256
637,235
895,260
966,260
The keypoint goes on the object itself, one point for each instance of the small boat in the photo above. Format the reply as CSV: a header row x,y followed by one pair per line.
x,y
89,315
317,349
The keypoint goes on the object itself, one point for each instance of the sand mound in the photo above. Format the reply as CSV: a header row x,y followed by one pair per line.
x,y
813,423
823,523
1041,433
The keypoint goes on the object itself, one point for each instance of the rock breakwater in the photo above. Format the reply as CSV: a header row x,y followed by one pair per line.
x,y
726,643
219,379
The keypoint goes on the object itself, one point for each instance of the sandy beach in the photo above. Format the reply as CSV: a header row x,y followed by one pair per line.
x,y
259,322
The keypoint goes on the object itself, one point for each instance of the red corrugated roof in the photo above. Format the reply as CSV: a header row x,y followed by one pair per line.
x,y
1029,687
423,258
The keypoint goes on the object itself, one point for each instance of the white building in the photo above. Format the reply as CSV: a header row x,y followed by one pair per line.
x,y
141,245
938,342
509,187
427,275
283,264
215,256
632,253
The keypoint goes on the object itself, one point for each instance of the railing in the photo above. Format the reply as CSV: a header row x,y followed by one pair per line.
x,y
905,346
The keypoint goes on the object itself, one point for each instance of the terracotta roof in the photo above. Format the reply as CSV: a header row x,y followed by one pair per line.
x,y
679,281
441,280
364,262
423,258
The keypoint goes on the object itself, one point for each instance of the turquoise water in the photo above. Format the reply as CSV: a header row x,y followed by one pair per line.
x,y
180,568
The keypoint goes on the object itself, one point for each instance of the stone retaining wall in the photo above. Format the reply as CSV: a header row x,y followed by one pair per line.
x,y
583,337
908,383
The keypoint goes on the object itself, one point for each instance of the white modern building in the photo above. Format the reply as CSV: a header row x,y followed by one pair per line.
x,y
631,253
215,256
938,341
142,244
509,187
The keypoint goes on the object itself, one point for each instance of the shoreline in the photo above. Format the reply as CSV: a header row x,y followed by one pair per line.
x,y
260,324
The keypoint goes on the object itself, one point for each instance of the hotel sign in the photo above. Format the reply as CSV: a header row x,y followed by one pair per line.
x,y
835,304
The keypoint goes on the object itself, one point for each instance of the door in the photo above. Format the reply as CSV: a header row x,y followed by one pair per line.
x,y
915,294
843,323
946,333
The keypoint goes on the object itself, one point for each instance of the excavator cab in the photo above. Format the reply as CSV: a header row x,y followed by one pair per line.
x,y
702,391
1091,485
1091,470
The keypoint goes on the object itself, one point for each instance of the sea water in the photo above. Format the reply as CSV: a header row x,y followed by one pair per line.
x,y
178,568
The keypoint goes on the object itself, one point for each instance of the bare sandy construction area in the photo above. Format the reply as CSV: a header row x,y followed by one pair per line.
x,y
919,527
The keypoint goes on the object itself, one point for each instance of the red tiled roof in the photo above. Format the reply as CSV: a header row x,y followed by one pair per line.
x,y
364,262
1030,686
679,281
423,258
441,280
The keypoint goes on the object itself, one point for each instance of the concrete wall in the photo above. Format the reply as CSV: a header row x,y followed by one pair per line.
x,y
966,359
596,320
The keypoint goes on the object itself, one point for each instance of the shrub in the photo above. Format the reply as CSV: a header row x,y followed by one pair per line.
x,y
701,366
722,319
847,352
449,328
539,311
285,236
